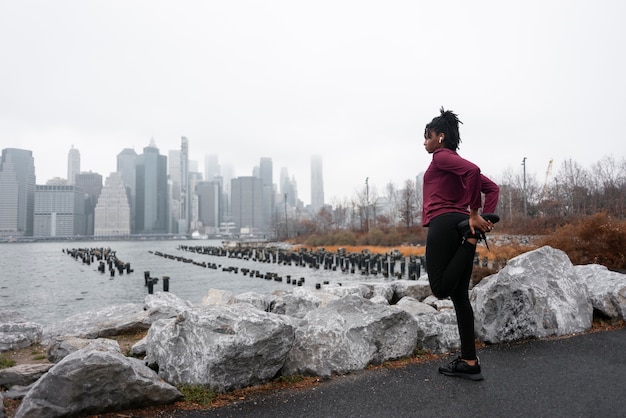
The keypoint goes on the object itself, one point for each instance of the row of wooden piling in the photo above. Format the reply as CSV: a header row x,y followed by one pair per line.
x,y
105,257
391,264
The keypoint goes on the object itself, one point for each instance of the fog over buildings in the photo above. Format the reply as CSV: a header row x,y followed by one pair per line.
x,y
151,193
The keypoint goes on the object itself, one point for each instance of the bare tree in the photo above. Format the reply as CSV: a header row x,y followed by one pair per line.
x,y
408,204
391,193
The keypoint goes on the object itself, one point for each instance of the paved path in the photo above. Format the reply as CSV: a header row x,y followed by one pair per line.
x,y
582,376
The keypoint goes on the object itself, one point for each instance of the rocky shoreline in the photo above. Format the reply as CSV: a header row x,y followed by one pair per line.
x,y
232,341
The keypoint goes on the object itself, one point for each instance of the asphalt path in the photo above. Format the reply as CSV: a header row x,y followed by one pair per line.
x,y
579,376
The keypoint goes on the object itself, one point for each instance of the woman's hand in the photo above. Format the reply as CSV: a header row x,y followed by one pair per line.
x,y
478,222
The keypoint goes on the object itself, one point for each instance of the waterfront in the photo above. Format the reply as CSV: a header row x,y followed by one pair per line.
x,y
45,284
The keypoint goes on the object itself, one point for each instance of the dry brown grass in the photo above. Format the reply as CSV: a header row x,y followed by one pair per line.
x,y
596,239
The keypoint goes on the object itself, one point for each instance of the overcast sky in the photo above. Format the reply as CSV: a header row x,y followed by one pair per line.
x,y
354,81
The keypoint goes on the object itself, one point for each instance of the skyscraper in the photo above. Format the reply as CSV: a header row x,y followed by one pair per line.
x,y
247,204
112,214
17,192
126,166
73,165
209,204
317,183
151,214
266,174
59,211
211,167
91,184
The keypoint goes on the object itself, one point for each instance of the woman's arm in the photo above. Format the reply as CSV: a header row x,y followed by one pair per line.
x,y
491,191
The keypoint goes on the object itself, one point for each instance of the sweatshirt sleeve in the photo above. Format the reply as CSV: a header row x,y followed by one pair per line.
x,y
491,191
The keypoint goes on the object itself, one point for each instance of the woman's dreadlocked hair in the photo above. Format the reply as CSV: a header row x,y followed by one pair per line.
x,y
448,124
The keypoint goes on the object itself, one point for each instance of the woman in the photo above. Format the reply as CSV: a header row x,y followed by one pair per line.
x,y
451,186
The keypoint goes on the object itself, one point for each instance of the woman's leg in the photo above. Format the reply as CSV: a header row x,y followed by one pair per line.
x,y
464,311
446,259
449,263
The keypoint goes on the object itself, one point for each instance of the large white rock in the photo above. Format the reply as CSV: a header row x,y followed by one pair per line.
x,y
301,301
437,331
92,380
607,289
19,334
226,347
417,289
113,320
162,305
349,334
538,294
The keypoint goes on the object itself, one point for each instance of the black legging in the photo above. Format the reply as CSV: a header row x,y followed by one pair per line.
x,y
449,263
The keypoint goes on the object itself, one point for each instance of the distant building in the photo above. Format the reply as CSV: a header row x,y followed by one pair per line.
x,y
59,211
211,167
17,192
151,214
247,204
317,184
288,187
91,184
112,214
127,167
266,173
209,205
73,165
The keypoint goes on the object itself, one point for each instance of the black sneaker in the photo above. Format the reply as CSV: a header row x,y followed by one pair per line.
x,y
465,231
460,368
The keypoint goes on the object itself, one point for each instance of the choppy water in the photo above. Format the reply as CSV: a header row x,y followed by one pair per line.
x,y
45,284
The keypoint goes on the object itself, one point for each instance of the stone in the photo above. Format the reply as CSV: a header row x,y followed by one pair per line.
x,y
297,303
162,305
438,332
95,379
226,347
22,374
139,348
19,334
113,320
607,289
218,297
349,334
59,347
258,300
417,289
414,306
538,294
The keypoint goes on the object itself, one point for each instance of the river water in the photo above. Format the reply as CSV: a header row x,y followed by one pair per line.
x,y
45,284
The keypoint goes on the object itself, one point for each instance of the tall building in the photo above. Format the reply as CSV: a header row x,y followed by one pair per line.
x,y
112,214
59,211
73,165
151,214
174,173
247,204
288,187
17,192
126,166
185,198
317,183
211,167
266,174
91,184
209,205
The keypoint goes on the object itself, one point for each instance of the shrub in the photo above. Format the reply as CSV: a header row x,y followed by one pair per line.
x,y
596,239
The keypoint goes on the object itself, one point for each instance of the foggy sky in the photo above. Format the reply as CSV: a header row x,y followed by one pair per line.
x,y
353,81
